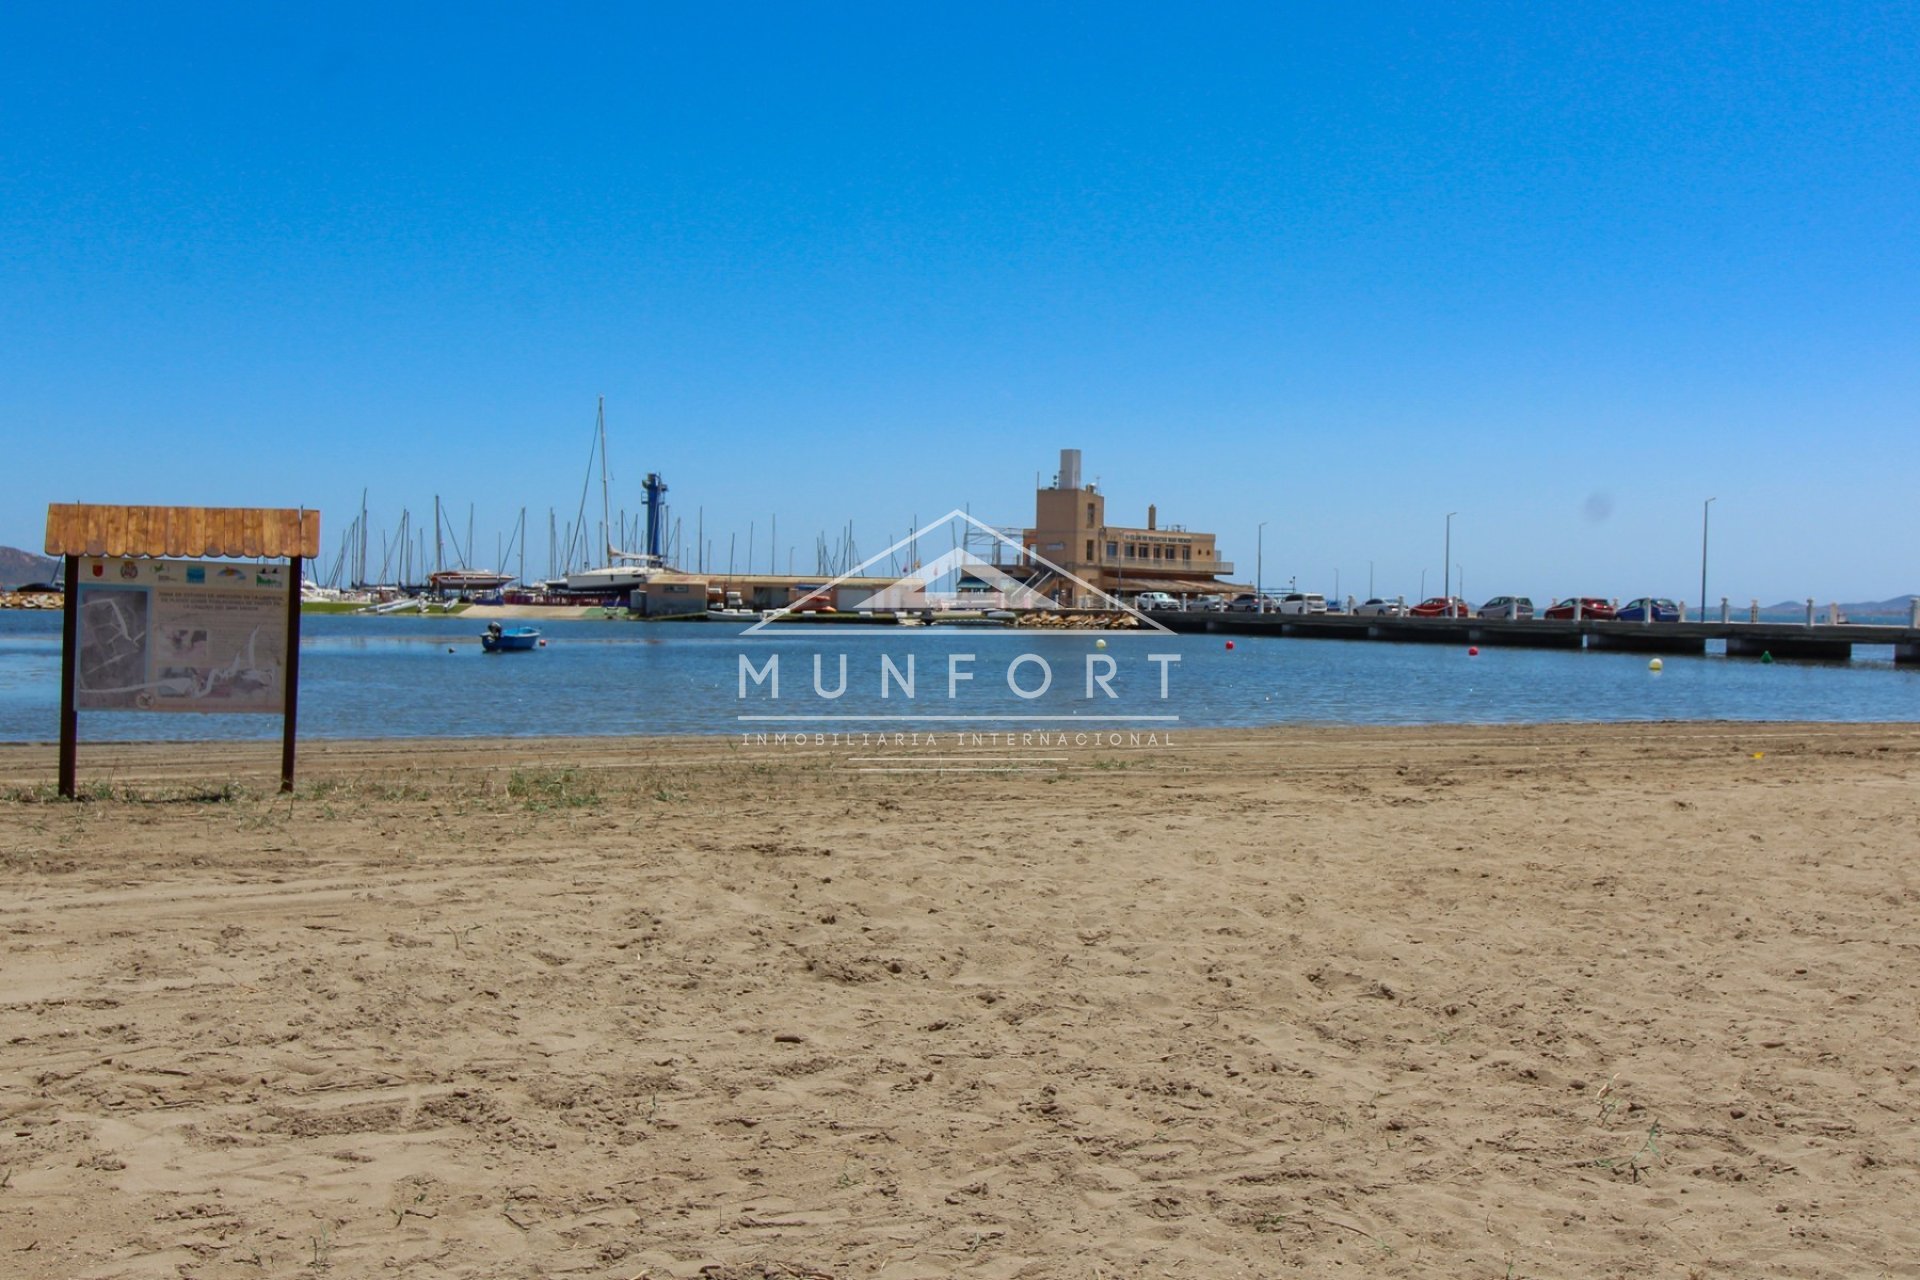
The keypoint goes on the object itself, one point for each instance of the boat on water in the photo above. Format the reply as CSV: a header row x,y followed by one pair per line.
x,y
496,639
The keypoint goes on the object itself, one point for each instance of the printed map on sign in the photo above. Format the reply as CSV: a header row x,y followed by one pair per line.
x,y
174,635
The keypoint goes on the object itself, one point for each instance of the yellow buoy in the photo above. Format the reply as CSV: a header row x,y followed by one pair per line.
x,y
1654,665
1099,644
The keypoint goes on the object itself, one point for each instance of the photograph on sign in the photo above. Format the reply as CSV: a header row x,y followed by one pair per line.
x,y
172,635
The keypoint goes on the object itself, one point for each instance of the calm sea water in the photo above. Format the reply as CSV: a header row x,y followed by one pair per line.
x,y
390,677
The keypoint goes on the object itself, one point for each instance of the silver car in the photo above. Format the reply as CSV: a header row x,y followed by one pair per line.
x,y
1506,607
1378,608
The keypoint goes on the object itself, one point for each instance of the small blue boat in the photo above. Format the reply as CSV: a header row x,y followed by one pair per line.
x,y
520,639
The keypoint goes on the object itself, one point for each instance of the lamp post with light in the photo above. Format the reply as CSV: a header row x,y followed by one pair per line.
x,y
1705,512
1259,568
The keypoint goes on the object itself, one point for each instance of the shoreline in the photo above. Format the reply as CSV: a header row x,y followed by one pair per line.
x,y
253,766
255,762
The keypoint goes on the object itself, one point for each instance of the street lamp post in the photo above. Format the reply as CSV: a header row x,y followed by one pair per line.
x,y
1446,563
1705,511
1259,568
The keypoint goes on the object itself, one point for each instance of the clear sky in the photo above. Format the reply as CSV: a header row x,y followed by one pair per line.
x,y
1565,270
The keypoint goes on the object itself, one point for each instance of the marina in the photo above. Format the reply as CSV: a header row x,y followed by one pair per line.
x,y
1072,566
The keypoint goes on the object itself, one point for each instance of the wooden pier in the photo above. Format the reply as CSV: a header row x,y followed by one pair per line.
x,y
1821,642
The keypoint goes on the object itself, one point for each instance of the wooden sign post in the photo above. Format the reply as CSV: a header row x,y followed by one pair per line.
x,y
166,633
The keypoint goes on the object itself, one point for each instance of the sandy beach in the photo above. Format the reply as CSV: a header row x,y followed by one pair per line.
x,y
1631,1000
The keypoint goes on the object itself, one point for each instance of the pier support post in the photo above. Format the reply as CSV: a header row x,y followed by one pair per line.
x,y
1642,640
1783,643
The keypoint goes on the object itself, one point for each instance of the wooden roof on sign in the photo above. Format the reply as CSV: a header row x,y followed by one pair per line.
x,y
92,529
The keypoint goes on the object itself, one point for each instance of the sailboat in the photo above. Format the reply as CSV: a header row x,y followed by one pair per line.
x,y
625,570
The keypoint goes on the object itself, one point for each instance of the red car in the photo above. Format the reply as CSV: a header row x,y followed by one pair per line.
x,y
1442,607
1592,609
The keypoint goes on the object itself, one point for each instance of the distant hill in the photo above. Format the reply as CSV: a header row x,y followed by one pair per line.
x,y
18,567
1897,605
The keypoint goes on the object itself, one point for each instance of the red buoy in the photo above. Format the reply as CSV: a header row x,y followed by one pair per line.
x,y
1473,651
1229,644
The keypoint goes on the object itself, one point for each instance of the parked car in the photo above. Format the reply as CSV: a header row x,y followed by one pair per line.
x,y
1637,610
1592,608
1155,600
1245,602
1300,602
1208,604
1507,607
1442,607
1378,608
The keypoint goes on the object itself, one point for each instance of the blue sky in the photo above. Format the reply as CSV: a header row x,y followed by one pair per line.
x,y
1565,270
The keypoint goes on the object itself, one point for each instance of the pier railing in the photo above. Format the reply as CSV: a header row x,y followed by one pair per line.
x,y
1774,639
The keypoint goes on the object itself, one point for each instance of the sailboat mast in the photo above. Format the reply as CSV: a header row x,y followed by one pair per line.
x,y
606,511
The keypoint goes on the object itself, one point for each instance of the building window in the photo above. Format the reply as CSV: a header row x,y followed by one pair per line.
x,y
1113,548
1186,553
1089,552
1091,519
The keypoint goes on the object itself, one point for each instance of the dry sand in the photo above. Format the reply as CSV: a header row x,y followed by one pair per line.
x,y
1506,1002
